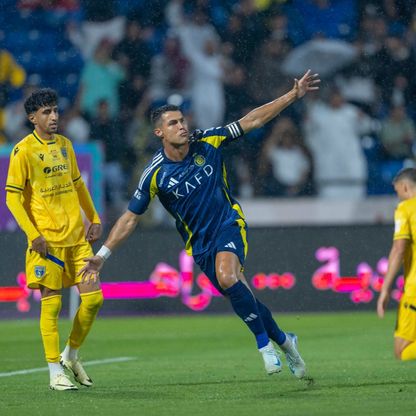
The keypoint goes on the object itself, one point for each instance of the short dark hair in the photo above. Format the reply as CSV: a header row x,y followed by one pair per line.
x,y
406,173
44,97
158,112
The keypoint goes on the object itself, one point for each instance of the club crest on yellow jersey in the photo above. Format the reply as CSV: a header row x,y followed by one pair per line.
x,y
40,271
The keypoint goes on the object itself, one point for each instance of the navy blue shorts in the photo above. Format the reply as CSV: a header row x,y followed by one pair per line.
x,y
231,238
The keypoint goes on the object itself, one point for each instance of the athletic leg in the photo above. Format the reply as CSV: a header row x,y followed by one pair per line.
x,y
229,276
49,313
91,302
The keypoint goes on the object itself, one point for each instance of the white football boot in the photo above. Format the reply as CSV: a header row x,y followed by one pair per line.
x,y
294,360
271,359
61,382
78,371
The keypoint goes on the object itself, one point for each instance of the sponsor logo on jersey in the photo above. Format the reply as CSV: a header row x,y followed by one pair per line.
x,y
172,182
137,194
40,271
41,156
16,149
231,245
185,188
56,168
199,160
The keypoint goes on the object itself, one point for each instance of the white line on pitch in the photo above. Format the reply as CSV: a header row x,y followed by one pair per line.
x,y
86,363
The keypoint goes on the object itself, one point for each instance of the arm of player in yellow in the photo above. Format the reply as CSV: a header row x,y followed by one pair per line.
x,y
86,203
15,205
395,262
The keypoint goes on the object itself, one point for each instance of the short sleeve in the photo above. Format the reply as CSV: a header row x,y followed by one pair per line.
x,y
401,224
218,136
75,173
18,170
146,189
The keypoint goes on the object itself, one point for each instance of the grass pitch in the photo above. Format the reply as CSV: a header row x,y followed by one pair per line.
x,y
209,365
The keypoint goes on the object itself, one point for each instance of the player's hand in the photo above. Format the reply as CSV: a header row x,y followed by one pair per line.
x,y
40,246
94,233
307,83
91,271
382,302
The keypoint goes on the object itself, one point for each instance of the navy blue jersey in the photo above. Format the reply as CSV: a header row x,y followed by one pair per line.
x,y
194,190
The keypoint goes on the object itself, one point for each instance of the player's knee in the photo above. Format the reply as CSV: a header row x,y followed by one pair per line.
x,y
93,300
227,279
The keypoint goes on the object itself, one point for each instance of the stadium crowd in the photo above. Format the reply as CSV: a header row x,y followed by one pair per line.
x,y
114,61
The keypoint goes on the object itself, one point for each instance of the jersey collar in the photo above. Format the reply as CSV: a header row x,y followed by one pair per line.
x,y
42,141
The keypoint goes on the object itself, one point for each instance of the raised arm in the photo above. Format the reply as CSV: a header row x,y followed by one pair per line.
x,y
261,115
124,226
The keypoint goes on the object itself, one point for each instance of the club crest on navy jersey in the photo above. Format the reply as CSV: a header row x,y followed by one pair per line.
x,y
199,160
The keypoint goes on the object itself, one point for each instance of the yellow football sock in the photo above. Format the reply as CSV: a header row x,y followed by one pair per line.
x,y
409,353
49,313
90,305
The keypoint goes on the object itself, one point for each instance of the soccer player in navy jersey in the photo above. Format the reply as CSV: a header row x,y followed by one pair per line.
x,y
189,178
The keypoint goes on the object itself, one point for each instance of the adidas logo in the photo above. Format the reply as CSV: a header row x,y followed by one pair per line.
x,y
250,318
231,245
172,182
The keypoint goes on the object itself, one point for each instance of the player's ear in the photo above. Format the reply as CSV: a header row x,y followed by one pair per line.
x,y
158,132
32,118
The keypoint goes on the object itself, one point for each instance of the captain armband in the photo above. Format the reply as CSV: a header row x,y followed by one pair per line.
x,y
104,252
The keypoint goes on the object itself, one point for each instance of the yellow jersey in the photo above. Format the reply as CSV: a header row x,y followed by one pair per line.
x,y
47,175
405,228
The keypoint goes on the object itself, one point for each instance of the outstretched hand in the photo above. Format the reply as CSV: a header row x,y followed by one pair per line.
x,y
307,83
92,269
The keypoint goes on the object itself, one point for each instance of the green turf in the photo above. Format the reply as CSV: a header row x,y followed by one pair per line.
x,y
209,366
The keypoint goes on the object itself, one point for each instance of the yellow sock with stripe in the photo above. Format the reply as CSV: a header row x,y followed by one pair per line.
x,y
90,305
49,313
409,353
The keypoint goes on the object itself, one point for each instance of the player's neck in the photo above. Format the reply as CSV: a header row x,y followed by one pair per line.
x,y
176,153
43,135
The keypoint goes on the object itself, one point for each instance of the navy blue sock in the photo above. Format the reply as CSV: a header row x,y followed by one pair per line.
x,y
273,330
245,306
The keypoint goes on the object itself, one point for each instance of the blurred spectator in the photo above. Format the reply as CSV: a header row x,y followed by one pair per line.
x,y
398,134
285,164
12,75
333,130
395,72
267,80
169,73
108,130
16,124
236,93
197,25
251,31
100,22
100,80
132,51
75,126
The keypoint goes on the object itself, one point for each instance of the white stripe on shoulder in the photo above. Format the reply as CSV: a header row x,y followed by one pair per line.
x,y
156,161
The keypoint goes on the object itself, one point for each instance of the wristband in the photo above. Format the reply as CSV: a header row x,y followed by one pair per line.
x,y
104,252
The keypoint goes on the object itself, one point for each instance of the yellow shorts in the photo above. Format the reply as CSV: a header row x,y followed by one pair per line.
x,y
59,269
406,319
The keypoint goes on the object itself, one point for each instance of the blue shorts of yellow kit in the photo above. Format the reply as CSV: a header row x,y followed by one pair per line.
x,y
232,238
59,269
406,319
